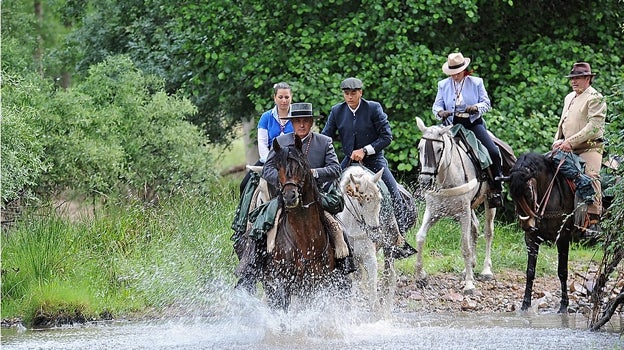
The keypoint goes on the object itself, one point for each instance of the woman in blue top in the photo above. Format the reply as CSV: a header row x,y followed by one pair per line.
x,y
462,99
271,124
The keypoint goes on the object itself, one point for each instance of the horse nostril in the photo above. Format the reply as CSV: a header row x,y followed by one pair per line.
x,y
426,181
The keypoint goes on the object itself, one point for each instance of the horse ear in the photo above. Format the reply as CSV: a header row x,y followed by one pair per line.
x,y
353,179
276,145
421,125
298,142
378,175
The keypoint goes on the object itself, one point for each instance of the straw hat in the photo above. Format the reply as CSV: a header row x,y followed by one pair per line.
x,y
455,63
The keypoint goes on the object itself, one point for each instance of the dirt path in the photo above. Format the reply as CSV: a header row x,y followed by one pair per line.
x,y
443,293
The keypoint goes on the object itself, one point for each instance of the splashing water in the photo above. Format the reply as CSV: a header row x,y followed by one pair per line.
x,y
234,320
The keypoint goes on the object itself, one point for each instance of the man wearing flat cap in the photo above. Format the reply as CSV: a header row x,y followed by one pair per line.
x,y
580,131
364,132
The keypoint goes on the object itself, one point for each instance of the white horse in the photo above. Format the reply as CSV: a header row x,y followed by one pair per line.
x,y
369,227
452,189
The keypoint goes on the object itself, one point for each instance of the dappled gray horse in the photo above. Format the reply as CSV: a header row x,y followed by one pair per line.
x,y
364,227
451,188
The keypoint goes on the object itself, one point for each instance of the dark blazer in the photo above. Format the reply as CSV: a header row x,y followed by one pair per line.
x,y
321,156
369,126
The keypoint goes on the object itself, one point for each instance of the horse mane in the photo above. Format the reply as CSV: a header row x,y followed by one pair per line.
x,y
528,166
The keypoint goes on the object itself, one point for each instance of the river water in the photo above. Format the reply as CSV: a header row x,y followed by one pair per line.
x,y
241,322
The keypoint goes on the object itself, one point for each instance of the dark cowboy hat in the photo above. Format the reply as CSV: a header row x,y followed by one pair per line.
x,y
580,69
300,110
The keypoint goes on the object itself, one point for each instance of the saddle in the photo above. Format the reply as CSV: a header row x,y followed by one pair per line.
x,y
480,156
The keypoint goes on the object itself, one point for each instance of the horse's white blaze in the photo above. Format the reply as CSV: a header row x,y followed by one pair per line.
x,y
452,197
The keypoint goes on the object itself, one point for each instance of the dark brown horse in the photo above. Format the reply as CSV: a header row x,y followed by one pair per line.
x,y
544,203
302,260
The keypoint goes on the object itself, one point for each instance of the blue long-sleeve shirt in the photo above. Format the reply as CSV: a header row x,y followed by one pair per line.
x,y
472,93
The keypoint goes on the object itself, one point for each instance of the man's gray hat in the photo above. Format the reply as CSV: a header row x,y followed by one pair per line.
x,y
351,84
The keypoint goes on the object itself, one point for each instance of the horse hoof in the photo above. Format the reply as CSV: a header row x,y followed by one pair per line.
x,y
469,289
486,277
421,283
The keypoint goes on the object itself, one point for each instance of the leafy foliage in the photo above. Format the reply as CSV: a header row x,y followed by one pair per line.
x,y
22,151
226,55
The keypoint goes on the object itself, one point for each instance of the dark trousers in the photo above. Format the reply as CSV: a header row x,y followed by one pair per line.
x,y
478,128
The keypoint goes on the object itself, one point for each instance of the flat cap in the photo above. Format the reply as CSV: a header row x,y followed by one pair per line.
x,y
351,84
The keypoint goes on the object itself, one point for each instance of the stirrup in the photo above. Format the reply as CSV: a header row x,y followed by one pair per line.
x,y
495,200
591,226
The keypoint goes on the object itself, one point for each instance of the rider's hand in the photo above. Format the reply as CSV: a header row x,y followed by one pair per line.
x,y
563,145
472,109
444,114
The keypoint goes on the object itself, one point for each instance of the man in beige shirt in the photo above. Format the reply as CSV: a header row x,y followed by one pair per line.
x,y
581,130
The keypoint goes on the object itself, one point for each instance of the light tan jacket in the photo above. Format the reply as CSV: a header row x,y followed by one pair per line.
x,y
582,121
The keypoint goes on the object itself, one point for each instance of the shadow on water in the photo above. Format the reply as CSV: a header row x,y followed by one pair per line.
x,y
236,321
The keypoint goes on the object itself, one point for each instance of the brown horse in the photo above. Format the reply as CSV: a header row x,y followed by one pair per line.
x,y
545,205
302,260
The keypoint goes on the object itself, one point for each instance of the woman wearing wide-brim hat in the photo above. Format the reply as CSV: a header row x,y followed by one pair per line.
x,y
462,99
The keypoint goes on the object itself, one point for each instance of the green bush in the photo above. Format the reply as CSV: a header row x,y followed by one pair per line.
x,y
21,145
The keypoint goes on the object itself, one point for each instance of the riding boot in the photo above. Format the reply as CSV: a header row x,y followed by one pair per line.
x,y
494,197
402,251
337,236
347,264
591,229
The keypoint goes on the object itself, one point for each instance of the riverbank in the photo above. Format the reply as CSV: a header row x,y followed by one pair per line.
x,y
504,293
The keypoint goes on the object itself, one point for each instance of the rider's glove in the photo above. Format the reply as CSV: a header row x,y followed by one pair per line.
x,y
472,109
444,114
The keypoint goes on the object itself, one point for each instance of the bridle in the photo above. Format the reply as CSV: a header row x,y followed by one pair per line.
x,y
430,156
538,209
298,188
355,198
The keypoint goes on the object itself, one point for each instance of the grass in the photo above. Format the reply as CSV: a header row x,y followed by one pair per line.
x,y
442,252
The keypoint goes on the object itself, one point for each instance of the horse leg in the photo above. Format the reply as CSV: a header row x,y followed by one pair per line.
x,y
563,248
532,251
474,236
427,221
488,233
368,277
388,281
467,252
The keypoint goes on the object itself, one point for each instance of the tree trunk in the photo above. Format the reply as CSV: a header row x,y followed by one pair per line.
x,y
250,142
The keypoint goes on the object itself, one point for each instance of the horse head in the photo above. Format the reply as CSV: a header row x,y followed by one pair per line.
x,y
363,196
294,174
530,171
431,149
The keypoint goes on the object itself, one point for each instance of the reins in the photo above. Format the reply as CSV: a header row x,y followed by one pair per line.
x,y
454,147
546,197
